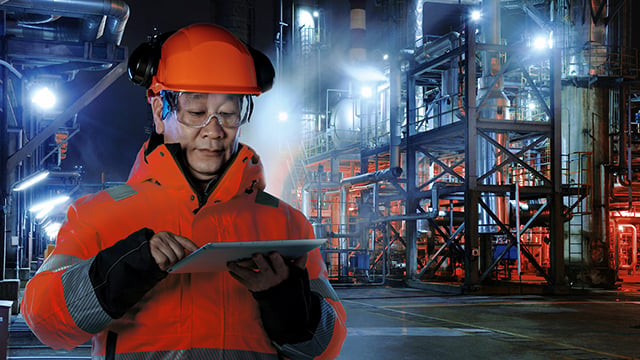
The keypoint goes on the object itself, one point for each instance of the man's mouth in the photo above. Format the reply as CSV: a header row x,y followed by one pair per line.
x,y
211,151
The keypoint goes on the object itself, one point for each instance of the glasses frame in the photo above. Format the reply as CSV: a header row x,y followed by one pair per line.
x,y
241,120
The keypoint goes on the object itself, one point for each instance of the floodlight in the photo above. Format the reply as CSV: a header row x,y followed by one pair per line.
x,y
476,15
29,181
283,116
43,208
305,20
44,98
316,14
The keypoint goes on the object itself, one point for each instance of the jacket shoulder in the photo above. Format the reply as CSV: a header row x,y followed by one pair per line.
x,y
265,199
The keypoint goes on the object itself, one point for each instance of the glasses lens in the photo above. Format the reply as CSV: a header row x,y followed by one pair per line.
x,y
228,120
193,111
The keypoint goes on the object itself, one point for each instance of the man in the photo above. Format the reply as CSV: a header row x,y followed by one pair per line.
x,y
193,183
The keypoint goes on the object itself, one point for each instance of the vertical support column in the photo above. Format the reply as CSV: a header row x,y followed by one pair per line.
x,y
471,194
411,204
556,227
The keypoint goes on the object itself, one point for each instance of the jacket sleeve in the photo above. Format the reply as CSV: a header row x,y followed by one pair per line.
x,y
78,290
330,330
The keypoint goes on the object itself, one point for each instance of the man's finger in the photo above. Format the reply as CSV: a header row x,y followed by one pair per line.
x,y
277,263
187,244
262,263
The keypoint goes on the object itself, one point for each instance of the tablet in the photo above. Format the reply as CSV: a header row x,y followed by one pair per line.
x,y
215,256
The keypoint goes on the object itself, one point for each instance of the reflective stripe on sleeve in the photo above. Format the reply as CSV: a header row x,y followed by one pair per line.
x,y
192,354
323,288
120,192
321,338
81,300
59,262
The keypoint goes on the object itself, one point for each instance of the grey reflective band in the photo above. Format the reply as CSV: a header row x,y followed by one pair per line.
x,y
323,288
321,338
81,300
58,262
211,354
120,192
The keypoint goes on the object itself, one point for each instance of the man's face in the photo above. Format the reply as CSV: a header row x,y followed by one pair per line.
x,y
206,149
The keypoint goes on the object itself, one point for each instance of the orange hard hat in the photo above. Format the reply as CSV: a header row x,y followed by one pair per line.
x,y
205,58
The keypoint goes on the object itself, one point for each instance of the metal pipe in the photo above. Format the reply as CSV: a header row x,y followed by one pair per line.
x,y
345,184
11,68
306,201
115,11
395,116
64,29
438,47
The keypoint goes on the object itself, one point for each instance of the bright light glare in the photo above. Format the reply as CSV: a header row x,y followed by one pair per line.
x,y
45,207
283,116
385,57
532,106
316,14
52,229
305,20
44,98
542,42
539,42
366,92
29,182
475,15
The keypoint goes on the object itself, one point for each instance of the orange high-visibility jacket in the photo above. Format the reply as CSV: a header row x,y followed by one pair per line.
x,y
184,316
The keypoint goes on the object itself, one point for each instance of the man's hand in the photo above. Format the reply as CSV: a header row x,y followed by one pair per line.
x,y
263,272
168,248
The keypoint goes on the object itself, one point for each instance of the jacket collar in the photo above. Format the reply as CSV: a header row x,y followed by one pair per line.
x,y
158,163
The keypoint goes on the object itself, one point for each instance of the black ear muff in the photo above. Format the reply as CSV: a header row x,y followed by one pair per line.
x,y
265,73
144,60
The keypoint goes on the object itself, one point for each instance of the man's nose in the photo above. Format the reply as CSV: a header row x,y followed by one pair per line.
x,y
213,127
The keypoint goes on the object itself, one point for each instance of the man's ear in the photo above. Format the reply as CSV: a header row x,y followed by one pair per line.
x,y
156,109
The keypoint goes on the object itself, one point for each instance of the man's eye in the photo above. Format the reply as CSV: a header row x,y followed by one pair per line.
x,y
196,113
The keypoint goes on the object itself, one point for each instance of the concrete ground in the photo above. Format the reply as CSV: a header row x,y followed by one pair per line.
x,y
406,324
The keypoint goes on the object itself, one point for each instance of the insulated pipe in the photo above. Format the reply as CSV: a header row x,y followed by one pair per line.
x,y
306,194
438,47
116,12
63,29
345,184
494,106
395,116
